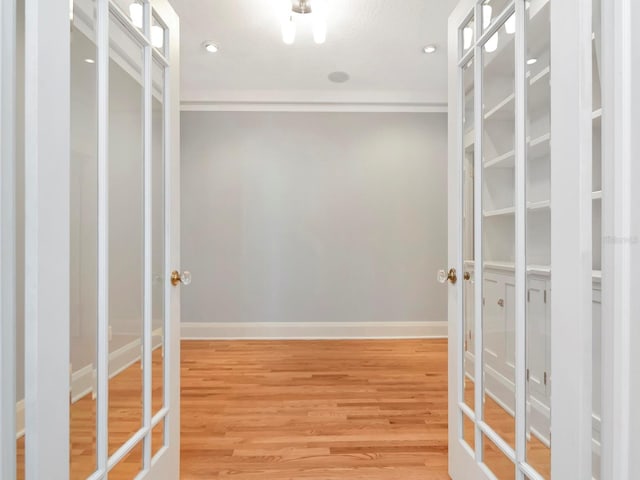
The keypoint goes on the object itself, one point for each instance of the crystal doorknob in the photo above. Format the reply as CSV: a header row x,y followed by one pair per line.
x,y
177,277
451,276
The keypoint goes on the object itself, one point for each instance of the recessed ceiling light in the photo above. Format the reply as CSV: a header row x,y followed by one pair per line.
x,y
339,77
430,49
89,60
531,61
211,47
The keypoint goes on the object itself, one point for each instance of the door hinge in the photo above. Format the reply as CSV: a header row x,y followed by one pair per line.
x,y
527,374
528,295
545,378
545,296
466,348
483,302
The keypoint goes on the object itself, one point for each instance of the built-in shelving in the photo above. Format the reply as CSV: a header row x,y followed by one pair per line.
x,y
537,148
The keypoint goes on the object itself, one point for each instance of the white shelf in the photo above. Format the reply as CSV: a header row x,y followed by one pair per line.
x,y
537,148
543,205
531,206
500,211
506,107
597,118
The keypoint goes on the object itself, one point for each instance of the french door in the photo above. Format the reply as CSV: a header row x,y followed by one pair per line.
x,y
520,240
98,181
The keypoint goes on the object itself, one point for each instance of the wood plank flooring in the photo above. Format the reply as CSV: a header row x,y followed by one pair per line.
x,y
299,410
320,410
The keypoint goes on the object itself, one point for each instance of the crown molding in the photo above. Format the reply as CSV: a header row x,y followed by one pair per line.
x,y
275,106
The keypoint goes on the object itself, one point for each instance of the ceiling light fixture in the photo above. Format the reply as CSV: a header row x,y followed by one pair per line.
x,y
531,61
210,47
89,60
510,25
492,44
316,9
136,14
486,16
430,49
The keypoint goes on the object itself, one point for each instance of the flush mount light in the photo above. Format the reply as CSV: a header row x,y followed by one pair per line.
x,y
430,49
531,61
89,60
210,47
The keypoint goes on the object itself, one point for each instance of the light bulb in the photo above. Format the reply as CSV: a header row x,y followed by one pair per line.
x,y
135,12
157,36
319,31
492,44
289,31
486,16
510,25
467,37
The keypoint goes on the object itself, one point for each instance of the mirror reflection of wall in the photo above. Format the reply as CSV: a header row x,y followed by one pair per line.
x,y
83,244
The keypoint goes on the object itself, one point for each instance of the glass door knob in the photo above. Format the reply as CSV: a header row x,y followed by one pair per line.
x,y
177,277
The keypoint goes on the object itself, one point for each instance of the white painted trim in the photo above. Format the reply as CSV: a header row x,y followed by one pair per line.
x,y
7,237
311,330
571,238
277,106
83,382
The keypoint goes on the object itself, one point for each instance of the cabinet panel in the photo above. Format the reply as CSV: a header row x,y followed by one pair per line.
x,y
537,338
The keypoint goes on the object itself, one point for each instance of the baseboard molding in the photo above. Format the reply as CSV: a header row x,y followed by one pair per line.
x,y
83,381
311,330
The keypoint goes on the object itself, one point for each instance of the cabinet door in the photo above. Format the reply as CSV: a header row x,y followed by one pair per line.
x,y
537,333
493,323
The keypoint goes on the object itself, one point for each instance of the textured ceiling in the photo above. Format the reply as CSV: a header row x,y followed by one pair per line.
x,y
377,42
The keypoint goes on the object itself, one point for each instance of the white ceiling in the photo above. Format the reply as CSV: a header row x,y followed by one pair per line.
x,y
377,42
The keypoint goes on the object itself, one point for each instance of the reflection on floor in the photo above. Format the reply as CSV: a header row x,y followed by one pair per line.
x,y
320,410
538,454
125,418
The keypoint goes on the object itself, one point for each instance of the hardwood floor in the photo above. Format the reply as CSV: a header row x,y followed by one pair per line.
x,y
319,410
299,410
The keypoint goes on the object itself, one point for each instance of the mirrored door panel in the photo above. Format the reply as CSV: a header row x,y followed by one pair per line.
x,y
159,280
538,238
84,241
468,278
498,252
126,234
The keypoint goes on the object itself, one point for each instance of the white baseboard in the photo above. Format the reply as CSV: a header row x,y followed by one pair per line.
x,y
311,330
83,381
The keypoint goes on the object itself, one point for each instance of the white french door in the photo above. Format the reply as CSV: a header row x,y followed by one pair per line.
x,y
520,240
101,242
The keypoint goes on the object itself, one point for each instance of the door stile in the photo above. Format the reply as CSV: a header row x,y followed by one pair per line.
x,y
520,381
7,240
571,239
478,266
102,401
47,169
620,307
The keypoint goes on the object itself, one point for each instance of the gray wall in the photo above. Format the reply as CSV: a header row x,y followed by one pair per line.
x,y
298,217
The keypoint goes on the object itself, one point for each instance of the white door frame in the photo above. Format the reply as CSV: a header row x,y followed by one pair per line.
x,y
621,245
7,239
571,246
